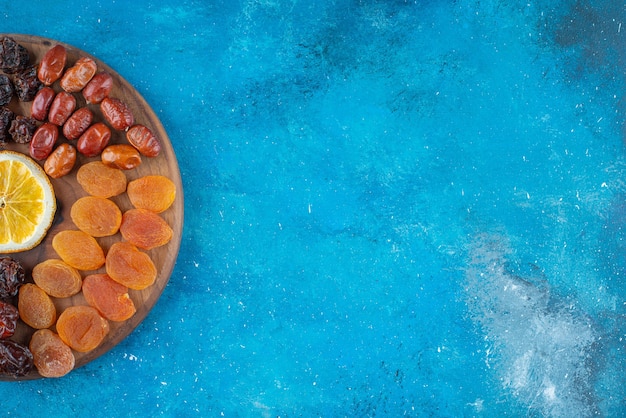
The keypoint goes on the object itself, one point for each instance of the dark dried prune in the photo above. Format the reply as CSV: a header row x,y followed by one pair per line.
x,y
6,89
11,277
8,319
16,360
27,84
6,117
22,129
13,56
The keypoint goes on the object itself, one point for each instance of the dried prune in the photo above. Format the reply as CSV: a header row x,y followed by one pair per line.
x,y
99,180
61,161
16,360
97,216
27,84
6,90
142,138
52,65
8,319
13,56
57,278
129,266
122,156
11,277
22,129
51,356
6,117
82,328
145,229
35,307
154,192
77,76
109,297
43,141
78,249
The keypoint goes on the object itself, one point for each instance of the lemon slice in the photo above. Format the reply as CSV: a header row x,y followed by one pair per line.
x,y
27,202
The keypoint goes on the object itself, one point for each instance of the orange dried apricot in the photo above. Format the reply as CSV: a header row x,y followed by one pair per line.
x,y
78,249
145,229
99,180
57,278
155,193
35,307
52,357
109,297
82,328
97,216
129,266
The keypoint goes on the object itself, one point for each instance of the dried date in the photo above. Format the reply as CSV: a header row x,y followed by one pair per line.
x,y
61,108
16,360
6,90
77,76
61,161
122,156
52,65
98,88
117,113
13,56
8,319
11,277
94,140
6,117
43,141
27,84
41,103
22,129
142,138
78,123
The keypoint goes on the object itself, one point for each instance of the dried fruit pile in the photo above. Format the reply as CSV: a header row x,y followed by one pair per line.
x,y
61,126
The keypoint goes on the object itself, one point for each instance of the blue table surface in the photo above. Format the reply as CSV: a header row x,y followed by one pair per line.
x,y
392,208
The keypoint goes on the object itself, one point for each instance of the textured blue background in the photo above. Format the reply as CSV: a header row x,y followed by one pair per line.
x,y
392,208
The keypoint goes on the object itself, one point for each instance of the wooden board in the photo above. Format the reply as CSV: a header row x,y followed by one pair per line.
x,y
68,190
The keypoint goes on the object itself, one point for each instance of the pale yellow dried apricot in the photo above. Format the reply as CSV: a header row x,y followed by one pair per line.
x,y
51,356
99,180
57,278
78,249
97,216
35,307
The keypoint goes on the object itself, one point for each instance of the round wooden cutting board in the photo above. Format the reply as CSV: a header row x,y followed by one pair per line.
x,y
68,191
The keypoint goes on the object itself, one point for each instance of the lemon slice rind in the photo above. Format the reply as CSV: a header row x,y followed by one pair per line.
x,y
17,242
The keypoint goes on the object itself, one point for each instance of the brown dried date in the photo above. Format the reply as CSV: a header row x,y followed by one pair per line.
x,y
117,113
61,108
77,76
8,319
78,123
98,88
6,117
16,360
52,65
27,84
61,161
94,140
6,89
122,156
13,56
142,138
43,141
22,129
41,103
11,277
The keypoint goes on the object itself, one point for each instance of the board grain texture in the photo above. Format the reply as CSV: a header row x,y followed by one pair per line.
x,y
68,190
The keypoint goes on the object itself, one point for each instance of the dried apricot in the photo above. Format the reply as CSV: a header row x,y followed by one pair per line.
x,y
155,193
99,180
35,307
145,229
78,249
97,216
57,278
109,297
52,357
129,266
82,328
